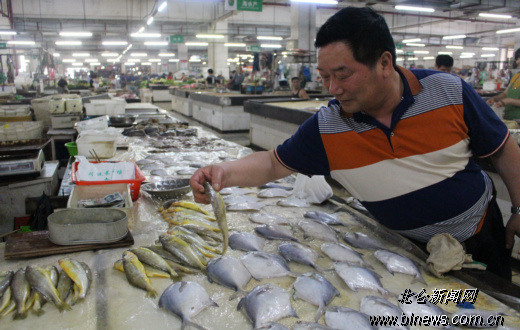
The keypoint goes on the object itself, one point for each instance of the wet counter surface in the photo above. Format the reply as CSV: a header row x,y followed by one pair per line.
x,y
112,303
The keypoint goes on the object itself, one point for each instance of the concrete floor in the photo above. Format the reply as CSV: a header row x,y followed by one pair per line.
x,y
239,138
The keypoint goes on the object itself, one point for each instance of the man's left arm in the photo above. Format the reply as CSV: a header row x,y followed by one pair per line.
x,y
506,161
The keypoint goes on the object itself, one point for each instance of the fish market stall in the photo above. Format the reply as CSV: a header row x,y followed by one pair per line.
x,y
225,111
276,244
160,92
274,121
181,101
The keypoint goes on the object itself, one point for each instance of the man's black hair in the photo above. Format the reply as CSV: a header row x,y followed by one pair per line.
x,y
444,60
363,30
210,71
295,78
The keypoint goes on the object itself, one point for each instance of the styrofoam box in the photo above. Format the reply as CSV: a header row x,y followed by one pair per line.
x,y
111,107
21,130
64,121
103,144
98,191
57,105
98,123
74,105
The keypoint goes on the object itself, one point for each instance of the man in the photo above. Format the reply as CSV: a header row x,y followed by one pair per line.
x,y
444,63
400,141
210,79
297,91
62,86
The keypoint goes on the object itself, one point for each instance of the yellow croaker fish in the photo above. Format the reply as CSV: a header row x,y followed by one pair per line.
x,y
64,285
8,309
78,275
6,299
190,205
150,271
151,258
183,251
40,281
136,274
187,212
191,237
20,291
219,208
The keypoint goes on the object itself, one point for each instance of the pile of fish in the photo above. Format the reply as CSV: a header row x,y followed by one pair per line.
x,y
186,247
152,127
28,289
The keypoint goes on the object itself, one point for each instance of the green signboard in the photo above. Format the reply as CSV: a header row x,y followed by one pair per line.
x,y
3,45
398,46
177,39
249,5
255,48
409,53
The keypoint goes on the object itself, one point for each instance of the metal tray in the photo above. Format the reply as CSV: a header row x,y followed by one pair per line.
x,y
87,226
168,189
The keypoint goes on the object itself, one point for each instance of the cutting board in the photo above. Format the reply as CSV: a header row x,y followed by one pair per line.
x,y
37,244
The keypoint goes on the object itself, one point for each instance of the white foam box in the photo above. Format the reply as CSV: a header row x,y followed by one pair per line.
x,y
97,123
57,105
111,107
74,105
103,144
64,121
82,192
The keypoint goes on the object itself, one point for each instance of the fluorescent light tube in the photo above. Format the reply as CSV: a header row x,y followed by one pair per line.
x,y
76,34
156,43
460,36
80,54
95,63
421,52
109,54
413,8
495,15
211,36
445,53
411,40
114,43
428,58
154,60
318,2
149,21
491,48
139,54
141,29
129,63
454,47
166,54
467,54
231,44
196,43
268,38
173,60
146,63
195,60
56,54
508,31
146,35
77,64
415,45
270,46
487,55
91,60
68,43
162,6
20,42
8,33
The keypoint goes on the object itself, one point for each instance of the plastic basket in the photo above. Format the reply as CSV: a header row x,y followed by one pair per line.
x,y
135,184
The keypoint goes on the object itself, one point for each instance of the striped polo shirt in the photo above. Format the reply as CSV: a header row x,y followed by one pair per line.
x,y
418,176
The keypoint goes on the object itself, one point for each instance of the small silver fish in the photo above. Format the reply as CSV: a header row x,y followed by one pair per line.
x,y
377,306
395,262
345,318
246,206
229,272
246,242
310,326
276,232
219,208
360,278
159,172
186,300
300,254
265,265
271,185
269,219
316,290
293,202
235,191
323,217
186,171
362,241
151,167
318,230
231,199
265,304
342,253
143,162
274,192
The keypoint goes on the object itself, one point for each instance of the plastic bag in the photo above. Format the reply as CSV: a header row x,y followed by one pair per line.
x,y
44,208
312,189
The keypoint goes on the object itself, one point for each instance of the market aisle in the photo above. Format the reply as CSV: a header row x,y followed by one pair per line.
x,y
239,138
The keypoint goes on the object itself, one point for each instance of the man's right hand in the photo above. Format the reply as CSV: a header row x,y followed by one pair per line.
x,y
491,101
214,174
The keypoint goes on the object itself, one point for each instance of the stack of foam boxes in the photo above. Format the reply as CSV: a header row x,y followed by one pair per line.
x,y
65,110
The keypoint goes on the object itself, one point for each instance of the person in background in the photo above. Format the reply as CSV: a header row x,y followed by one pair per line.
x,y
183,77
444,63
297,91
170,76
123,80
510,98
62,85
238,79
402,142
210,79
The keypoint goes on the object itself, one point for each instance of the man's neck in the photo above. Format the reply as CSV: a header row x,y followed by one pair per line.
x,y
394,96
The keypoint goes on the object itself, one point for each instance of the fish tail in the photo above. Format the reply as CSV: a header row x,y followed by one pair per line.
x,y
63,306
39,312
319,313
237,294
419,278
152,293
20,316
193,324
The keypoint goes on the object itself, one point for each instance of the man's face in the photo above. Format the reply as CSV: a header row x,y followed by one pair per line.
x,y
295,82
444,68
356,86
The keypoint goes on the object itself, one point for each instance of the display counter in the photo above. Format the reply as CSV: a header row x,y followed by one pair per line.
x,y
273,121
181,101
225,111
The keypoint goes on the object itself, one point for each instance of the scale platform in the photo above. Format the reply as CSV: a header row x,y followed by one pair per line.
x,y
21,163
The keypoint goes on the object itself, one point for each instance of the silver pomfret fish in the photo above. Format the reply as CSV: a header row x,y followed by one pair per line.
x,y
316,290
342,253
219,208
318,230
377,306
395,262
229,272
323,217
246,242
298,253
265,265
344,318
359,278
